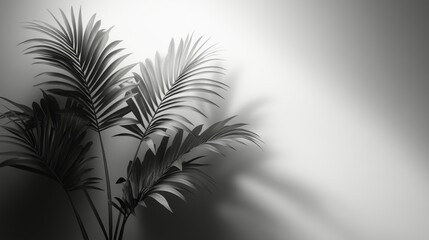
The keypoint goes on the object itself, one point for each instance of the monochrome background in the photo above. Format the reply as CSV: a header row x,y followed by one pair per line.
x,y
338,91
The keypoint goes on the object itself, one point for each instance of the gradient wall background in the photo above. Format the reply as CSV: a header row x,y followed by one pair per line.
x,y
337,90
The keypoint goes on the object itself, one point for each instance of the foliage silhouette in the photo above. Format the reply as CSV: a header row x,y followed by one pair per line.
x,y
87,91
51,142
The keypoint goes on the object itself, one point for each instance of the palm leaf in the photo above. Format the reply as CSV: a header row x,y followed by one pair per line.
x,y
185,75
51,142
86,67
171,170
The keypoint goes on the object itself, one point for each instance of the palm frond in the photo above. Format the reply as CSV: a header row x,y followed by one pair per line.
x,y
51,142
86,67
171,170
166,85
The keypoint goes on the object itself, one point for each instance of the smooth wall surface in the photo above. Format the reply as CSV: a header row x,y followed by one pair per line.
x,y
338,90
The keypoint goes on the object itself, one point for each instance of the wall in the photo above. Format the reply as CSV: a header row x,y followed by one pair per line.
x,y
337,90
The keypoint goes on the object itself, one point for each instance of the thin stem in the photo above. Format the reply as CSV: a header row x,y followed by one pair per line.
x,y
117,225
123,227
136,154
97,215
138,149
109,191
79,220
149,125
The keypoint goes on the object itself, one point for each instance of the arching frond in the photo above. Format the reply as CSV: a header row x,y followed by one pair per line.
x,y
169,85
86,68
50,141
171,169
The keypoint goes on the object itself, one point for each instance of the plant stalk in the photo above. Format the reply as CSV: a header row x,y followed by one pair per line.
x,y
123,227
138,149
117,225
97,215
109,191
79,220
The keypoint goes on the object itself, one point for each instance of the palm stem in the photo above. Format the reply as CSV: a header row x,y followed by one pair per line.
x,y
149,125
79,220
97,215
109,191
123,227
138,149
117,225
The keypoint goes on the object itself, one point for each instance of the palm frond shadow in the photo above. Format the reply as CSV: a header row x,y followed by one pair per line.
x,y
301,209
225,172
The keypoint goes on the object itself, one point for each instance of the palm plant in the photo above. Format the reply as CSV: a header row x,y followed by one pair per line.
x,y
154,106
87,73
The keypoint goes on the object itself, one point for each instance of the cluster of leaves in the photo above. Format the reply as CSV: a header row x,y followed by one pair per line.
x,y
171,169
50,141
155,104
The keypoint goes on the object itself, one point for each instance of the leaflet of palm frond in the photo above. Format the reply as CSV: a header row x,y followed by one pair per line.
x,y
48,107
50,144
170,181
169,85
86,68
171,170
